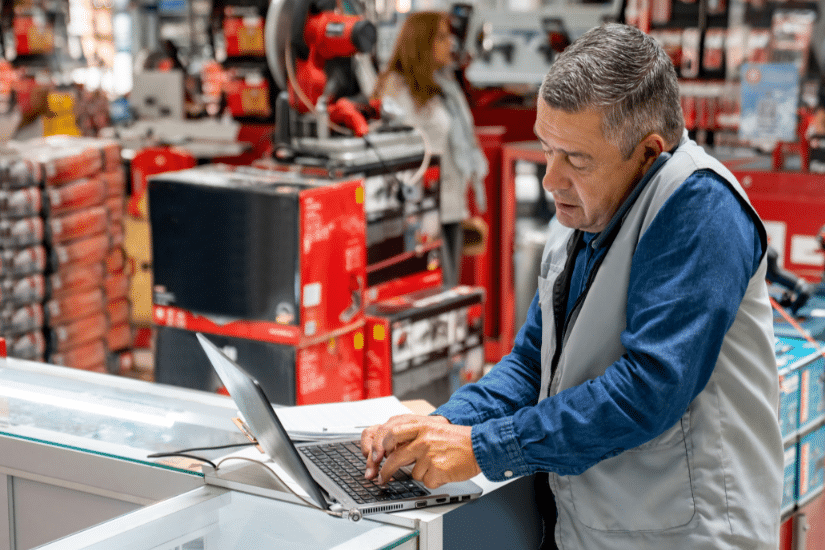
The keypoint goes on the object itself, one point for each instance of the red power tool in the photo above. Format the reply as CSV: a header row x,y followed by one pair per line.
x,y
318,35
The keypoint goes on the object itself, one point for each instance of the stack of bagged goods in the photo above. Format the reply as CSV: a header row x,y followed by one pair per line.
x,y
86,307
23,258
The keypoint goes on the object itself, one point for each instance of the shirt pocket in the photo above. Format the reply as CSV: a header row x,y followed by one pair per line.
x,y
642,489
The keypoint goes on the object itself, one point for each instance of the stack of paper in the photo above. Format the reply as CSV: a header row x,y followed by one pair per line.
x,y
337,420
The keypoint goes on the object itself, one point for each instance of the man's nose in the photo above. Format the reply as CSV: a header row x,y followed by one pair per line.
x,y
555,175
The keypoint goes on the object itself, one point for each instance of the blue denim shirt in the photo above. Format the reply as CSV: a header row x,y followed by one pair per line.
x,y
702,243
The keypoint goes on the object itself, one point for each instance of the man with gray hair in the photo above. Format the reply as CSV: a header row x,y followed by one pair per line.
x,y
642,389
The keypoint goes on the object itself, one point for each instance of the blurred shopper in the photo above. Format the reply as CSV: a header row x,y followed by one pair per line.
x,y
642,390
419,78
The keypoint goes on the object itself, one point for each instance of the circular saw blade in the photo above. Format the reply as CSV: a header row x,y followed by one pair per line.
x,y
276,36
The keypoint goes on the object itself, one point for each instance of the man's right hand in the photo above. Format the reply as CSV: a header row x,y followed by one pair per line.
x,y
442,452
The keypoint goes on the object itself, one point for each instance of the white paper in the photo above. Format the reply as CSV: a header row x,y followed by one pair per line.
x,y
338,419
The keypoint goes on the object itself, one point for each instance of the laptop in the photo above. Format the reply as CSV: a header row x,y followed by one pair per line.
x,y
331,472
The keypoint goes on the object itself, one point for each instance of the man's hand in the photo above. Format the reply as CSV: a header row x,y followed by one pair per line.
x,y
442,452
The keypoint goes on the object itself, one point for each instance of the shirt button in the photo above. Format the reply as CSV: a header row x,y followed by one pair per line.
x,y
508,473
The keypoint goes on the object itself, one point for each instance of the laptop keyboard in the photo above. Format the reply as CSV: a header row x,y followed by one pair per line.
x,y
344,463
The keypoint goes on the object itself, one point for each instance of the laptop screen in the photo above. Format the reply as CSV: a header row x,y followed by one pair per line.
x,y
261,419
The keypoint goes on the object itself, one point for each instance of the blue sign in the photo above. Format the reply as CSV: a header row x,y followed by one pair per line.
x,y
770,98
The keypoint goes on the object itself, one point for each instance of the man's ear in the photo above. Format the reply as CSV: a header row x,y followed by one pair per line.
x,y
650,148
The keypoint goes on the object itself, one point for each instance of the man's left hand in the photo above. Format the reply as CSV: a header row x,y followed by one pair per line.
x,y
442,452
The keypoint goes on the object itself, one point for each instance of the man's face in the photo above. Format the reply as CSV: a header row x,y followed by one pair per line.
x,y
588,177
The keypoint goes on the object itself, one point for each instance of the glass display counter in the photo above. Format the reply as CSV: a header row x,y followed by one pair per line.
x,y
109,415
75,473
74,447
213,517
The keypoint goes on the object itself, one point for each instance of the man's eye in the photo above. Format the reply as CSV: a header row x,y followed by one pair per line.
x,y
577,162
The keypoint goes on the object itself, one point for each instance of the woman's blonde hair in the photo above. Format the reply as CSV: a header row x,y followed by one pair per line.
x,y
412,59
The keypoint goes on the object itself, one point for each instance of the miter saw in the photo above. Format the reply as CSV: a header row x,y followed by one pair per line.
x,y
319,57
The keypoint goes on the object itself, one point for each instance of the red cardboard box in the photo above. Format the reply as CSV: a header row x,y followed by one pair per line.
x,y
248,93
115,182
63,158
115,260
326,371
244,34
32,34
257,254
424,344
403,222
115,206
116,285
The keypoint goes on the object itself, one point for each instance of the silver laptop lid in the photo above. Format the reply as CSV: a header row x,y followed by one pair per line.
x,y
262,420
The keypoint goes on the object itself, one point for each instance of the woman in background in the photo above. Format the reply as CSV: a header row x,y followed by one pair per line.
x,y
419,79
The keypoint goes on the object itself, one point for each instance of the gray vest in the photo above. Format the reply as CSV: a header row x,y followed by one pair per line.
x,y
714,478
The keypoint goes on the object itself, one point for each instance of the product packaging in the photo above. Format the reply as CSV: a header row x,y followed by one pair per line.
x,y
327,371
71,306
81,251
75,196
75,278
23,261
425,344
77,332
88,356
79,224
21,232
30,346
22,291
20,203
255,253
19,319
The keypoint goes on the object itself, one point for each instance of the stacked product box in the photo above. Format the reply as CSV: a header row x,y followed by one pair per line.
x,y
403,231
811,463
789,486
23,258
404,257
425,344
298,373
787,350
271,267
86,307
802,418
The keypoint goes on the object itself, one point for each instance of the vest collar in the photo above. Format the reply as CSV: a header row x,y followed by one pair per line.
x,y
606,236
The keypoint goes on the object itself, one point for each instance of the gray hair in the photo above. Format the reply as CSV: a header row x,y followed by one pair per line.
x,y
624,73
